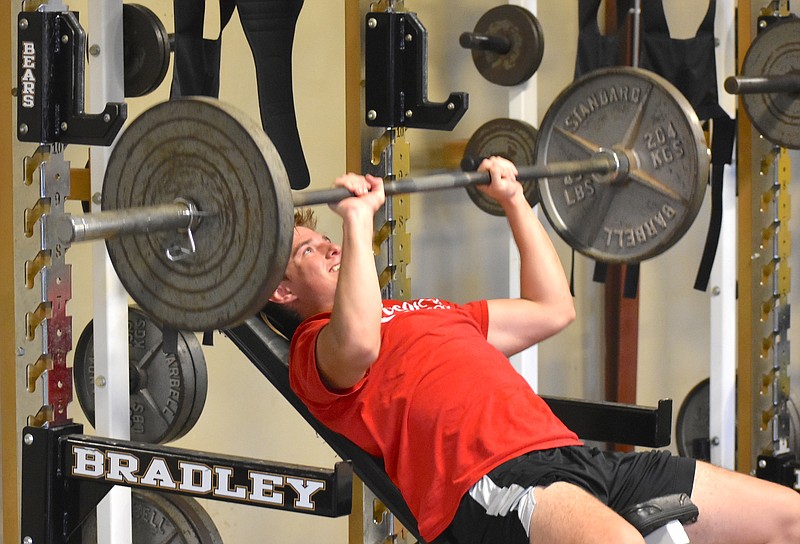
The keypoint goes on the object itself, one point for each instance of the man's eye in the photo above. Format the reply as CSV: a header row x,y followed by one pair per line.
x,y
307,250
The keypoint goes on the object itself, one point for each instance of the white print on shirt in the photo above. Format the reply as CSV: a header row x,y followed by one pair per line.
x,y
391,312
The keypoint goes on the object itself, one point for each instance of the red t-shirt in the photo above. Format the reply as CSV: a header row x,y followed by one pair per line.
x,y
440,405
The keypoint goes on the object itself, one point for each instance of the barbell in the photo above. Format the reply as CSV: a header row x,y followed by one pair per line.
x,y
198,213
769,83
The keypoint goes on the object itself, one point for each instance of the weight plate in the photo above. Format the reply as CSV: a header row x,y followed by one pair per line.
x,y
647,121
775,51
145,45
691,427
161,518
210,154
198,363
167,390
523,30
516,141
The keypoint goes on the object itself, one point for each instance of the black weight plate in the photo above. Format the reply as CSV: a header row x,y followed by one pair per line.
x,y
145,45
520,27
775,51
161,518
691,427
167,391
516,141
210,154
648,122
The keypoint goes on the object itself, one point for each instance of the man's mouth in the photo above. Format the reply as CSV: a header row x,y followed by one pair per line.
x,y
335,268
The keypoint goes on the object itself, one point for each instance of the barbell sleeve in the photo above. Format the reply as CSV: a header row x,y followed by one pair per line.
x,y
606,162
784,83
107,224
484,42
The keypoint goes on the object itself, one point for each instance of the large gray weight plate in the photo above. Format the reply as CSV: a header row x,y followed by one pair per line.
x,y
167,390
646,119
161,518
219,159
775,51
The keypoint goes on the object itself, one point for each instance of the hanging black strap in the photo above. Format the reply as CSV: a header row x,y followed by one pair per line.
x,y
723,135
196,59
572,275
595,49
269,26
630,287
600,272
689,64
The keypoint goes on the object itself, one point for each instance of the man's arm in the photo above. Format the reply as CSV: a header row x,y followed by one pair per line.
x,y
545,305
350,343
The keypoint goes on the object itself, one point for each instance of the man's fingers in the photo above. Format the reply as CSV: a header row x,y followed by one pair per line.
x,y
358,185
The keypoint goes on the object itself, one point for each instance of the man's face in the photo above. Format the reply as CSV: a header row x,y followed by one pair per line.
x,y
313,271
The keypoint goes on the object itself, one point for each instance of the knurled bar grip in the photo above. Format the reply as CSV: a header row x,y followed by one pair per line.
x,y
602,163
104,225
784,83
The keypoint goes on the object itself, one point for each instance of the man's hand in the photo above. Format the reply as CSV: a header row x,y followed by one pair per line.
x,y
504,186
367,194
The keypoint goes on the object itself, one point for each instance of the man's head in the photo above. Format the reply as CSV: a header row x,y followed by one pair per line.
x,y
309,282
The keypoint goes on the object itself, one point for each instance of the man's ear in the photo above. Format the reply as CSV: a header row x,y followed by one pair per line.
x,y
282,294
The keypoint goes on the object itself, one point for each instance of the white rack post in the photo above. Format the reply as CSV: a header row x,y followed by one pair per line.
x,y
722,388
523,105
112,397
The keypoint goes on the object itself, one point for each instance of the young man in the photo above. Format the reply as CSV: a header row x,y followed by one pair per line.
x,y
426,386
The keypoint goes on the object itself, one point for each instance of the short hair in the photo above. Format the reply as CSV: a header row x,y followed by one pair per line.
x,y
304,217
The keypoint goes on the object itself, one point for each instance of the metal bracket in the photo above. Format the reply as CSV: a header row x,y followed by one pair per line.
x,y
396,76
783,469
50,88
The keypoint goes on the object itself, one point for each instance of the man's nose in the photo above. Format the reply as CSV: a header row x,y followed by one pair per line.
x,y
333,249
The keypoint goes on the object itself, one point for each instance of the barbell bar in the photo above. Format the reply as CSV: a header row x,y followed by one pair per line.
x,y
184,215
484,42
180,215
607,162
783,83
198,167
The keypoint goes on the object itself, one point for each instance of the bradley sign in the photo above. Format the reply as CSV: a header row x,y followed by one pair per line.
x,y
195,478
233,479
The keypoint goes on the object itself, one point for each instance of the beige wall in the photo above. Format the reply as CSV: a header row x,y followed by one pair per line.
x,y
245,416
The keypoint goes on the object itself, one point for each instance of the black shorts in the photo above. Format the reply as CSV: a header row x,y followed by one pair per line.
x,y
616,479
